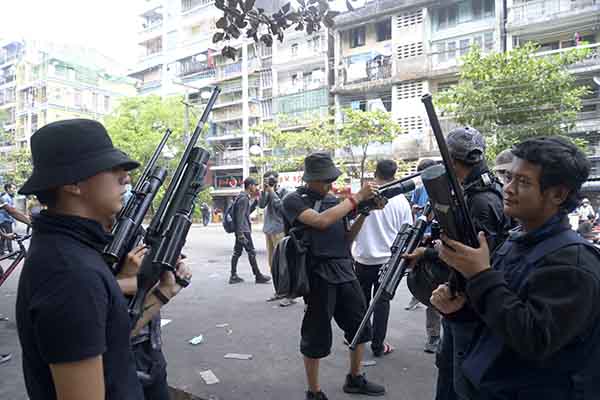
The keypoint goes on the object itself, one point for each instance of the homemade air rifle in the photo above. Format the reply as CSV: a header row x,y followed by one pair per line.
x,y
167,232
446,195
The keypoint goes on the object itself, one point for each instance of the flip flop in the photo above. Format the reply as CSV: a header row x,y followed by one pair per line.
x,y
387,349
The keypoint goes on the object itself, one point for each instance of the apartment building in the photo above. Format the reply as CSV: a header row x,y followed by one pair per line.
x,y
55,82
388,53
10,53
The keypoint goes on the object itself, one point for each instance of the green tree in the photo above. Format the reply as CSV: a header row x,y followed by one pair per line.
x,y
360,131
286,149
515,95
138,124
18,166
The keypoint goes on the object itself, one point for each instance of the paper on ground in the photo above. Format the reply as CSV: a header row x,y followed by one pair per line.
x,y
222,325
197,339
209,377
368,363
165,322
237,356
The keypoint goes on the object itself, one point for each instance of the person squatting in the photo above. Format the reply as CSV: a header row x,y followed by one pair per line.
x,y
526,326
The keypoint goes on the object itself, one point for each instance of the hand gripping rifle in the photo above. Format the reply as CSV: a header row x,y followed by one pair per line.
x,y
387,191
446,195
407,240
126,231
168,229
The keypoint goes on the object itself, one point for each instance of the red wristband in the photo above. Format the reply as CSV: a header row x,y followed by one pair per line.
x,y
353,201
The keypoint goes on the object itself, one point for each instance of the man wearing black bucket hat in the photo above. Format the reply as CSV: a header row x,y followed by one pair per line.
x,y
72,317
334,289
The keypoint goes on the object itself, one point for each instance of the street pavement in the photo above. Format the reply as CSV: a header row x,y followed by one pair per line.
x,y
266,331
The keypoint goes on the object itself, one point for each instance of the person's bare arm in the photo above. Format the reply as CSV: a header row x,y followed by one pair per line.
x,y
356,227
16,214
79,379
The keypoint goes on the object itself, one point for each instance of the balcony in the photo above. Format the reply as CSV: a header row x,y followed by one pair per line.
x,y
590,63
539,11
198,70
7,58
187,6
367,69
225,135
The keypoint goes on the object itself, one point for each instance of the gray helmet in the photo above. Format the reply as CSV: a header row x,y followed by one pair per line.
x,y
466,144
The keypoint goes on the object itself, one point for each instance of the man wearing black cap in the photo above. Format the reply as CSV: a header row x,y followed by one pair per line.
x,y
483,195
244,205
334,289
72,317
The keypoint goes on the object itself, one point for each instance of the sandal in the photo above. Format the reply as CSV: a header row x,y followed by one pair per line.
x,y
387,349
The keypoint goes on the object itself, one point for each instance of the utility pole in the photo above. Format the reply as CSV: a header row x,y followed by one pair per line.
x,y
186,117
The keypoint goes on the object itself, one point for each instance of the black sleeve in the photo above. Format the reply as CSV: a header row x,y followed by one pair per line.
x,y
293,205
557,304
69,317
486,212
241,209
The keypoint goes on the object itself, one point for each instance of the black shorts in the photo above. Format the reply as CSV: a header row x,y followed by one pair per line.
x,y
344,302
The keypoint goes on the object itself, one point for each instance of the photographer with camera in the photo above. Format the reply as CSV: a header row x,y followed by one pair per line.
x,y
271,201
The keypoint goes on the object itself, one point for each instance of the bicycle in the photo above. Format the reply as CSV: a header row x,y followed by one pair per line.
x,y
19,255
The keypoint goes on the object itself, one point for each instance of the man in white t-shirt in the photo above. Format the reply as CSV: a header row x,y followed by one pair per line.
x,y
371,250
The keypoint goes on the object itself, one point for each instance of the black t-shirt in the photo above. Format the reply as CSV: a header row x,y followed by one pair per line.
x,y
329,250
70,308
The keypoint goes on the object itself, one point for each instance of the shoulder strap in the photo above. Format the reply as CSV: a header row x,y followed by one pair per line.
x,y
563,239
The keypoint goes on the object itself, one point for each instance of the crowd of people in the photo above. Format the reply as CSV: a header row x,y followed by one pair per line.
x,y
526,324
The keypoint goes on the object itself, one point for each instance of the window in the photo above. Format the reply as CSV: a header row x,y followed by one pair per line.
x,y
294,49
316,44
464,46
488,41
462,12
106,104
383,30
357,37
77,98
451,50
440,49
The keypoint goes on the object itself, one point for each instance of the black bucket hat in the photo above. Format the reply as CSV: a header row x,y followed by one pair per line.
x,y
319,166
70,151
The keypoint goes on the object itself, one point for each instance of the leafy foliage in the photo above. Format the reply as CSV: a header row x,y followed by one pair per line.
x,y
359,130
240,17
515,95
18,166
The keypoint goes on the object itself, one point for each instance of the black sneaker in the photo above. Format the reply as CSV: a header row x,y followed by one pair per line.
x,y
262,279
432,344
315,396
360,385
235,279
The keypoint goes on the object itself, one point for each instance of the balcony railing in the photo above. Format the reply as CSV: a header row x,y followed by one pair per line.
x,y
537,10
188,5
591,59
378,68
8,58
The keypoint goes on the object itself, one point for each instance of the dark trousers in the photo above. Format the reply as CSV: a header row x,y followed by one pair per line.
x,y
247,245
7,227
152,364
368,276
456,341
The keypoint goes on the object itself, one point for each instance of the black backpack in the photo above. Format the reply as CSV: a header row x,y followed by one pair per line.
x,y
290,269
229,217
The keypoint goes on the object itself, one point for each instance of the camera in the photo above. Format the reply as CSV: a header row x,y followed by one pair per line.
x,y
271,181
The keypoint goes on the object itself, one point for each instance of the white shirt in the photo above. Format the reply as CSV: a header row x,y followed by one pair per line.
x,y
373,242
